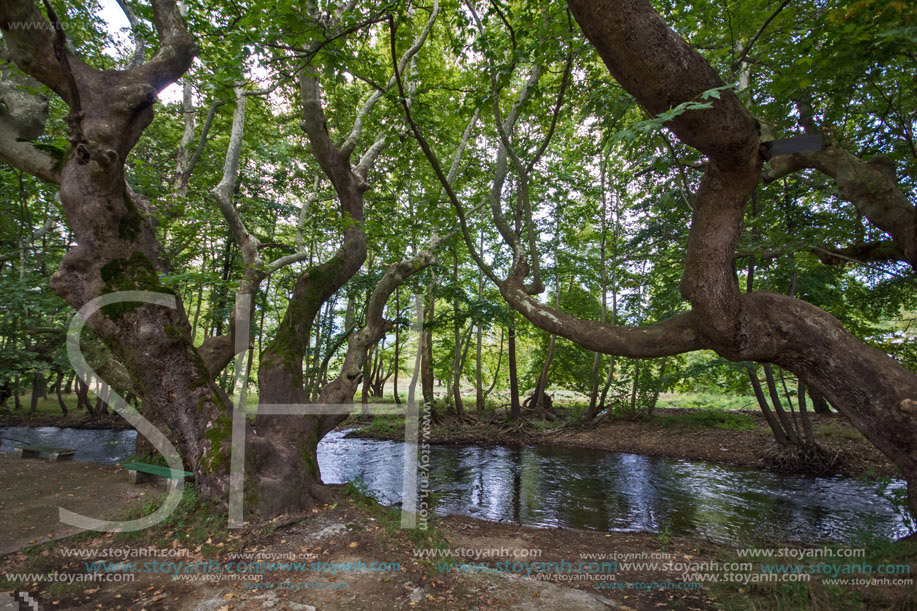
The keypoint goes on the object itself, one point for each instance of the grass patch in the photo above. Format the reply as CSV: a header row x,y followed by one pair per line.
x,y
708,419
193,522
838,430
706,400
816,594
48,407
389,518
385,426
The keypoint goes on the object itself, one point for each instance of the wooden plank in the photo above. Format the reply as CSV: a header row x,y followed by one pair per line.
x,y
53,453
144,468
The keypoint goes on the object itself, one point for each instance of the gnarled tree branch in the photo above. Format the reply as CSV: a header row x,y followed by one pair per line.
x,y
870,186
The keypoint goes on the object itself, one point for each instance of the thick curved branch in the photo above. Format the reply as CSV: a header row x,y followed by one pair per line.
x,y
223,192
661,70
30,41
342,388
501,166
672,336
23,115
25,156
217,352
333,162
879,251
176,47
871,186
871,252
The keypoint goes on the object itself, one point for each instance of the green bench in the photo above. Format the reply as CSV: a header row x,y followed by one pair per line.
x,y
140,472
53,453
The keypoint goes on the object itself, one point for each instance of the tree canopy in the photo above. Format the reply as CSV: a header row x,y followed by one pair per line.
x,y
586,187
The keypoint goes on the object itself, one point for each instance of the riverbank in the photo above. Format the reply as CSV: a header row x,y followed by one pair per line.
x,y
731,437
79,420
353,554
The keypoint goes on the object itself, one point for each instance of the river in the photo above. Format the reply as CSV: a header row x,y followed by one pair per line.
x,y
580,488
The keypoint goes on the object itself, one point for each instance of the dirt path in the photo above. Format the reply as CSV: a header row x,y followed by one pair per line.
x,y
31,490
371,563
353,555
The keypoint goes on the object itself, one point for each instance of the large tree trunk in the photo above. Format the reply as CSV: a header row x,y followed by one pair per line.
x,y
284,447
116,244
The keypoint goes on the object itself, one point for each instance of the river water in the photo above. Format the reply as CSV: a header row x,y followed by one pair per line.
x,y
580,488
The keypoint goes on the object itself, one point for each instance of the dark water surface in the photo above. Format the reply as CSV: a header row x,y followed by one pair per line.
x,y
579,488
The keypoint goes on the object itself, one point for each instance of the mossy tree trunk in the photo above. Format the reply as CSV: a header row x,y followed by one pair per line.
x,y
114,229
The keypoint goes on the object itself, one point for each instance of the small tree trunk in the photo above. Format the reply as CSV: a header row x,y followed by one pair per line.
x,y
82,398
36,393
59,392
367,375
542,384
457,335
804,415
460,406
659,382
515,409
778,407
426,356
634,387
397,346
478,371
779,434
497,372
819,404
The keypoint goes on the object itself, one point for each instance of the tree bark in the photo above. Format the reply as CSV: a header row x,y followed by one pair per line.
x,y
36,393
819,405
515,407
58,390
397,356
426,360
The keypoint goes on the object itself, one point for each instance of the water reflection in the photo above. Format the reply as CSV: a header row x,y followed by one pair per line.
x,y
594,490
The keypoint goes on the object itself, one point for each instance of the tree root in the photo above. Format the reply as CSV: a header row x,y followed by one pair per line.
x,y
517,427
544,411
800,459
